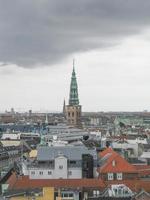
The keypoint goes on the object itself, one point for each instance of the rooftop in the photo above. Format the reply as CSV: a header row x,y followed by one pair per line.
x,y
71,152
114,162
24,182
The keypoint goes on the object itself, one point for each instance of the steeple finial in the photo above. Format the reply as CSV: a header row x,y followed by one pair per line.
x,y
73,71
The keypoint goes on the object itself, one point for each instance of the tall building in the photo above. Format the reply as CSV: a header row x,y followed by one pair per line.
x,y
73,110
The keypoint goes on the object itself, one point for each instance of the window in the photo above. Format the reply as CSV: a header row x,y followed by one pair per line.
x,y
32,172
60,166
70,173
49,172
119,176
110,176
96,193
65,195
70,195
41,173
72,162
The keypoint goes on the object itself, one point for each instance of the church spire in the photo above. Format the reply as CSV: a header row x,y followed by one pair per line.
x,y
73,98
73,110
64,107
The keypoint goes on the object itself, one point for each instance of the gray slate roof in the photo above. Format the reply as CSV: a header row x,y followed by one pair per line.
x,y
71,152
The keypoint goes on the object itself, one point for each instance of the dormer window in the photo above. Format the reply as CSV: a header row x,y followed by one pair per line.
x,y
110,176
119,176
113,163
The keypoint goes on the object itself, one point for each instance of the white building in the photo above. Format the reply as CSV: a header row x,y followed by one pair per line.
x,y
66,162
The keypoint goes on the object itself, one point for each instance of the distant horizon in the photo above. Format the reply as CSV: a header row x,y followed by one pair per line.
x,y
83,111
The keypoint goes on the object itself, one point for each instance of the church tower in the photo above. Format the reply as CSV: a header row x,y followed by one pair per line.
x,y
73,110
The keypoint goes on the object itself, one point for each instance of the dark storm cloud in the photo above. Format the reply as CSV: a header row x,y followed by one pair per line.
x,y
35,32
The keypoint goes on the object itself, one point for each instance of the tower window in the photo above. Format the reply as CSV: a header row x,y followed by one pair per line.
x,y
78,114
72,114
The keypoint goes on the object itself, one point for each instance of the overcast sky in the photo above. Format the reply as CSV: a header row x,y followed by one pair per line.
x,y
109,39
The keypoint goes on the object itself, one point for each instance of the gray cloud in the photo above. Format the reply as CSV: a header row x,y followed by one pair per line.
x,y
4,64
45,31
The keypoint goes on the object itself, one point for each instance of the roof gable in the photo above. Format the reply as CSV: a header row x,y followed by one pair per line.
x,y
115,163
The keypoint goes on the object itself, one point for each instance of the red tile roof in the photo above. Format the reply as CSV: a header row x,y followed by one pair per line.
x,y
25,182
142,167
121,165
143,170
106,151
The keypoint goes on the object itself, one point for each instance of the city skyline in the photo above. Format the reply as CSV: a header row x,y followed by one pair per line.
x,y
110,44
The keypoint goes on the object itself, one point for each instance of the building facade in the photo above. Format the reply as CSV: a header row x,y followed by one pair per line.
x,y
62,162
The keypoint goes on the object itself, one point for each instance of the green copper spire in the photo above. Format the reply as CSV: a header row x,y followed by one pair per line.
x,y
73,99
